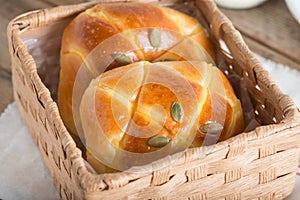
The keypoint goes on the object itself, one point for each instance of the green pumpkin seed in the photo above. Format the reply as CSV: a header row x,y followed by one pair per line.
x,y
211,127
177,112
158,141
121,58
155,37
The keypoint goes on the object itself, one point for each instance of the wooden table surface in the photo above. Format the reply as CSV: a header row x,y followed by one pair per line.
x,y
269,30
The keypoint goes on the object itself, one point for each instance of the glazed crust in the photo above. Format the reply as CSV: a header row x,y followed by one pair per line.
x,y
103,21
128,104
201,89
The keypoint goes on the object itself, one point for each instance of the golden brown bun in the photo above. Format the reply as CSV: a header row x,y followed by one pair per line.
x,y
99,23
120,98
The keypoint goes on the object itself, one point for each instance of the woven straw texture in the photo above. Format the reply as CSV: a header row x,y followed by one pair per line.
x,y
258,164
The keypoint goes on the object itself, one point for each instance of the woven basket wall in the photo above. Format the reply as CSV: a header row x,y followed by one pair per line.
x,y
258,164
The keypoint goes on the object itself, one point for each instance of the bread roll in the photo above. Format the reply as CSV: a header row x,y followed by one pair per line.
x,y
103,21
144,107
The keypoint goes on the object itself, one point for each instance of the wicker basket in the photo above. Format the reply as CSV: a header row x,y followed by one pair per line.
x,y
258,164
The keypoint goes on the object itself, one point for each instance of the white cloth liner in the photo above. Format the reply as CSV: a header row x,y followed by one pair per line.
x,y
24,175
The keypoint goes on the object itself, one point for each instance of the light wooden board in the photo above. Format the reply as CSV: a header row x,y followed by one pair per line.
x,y
270,30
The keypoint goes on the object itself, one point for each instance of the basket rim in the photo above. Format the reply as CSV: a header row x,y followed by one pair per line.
x,y
18,49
